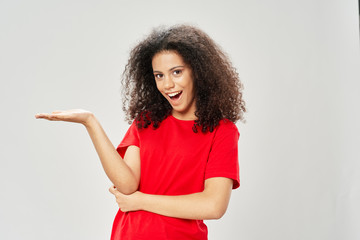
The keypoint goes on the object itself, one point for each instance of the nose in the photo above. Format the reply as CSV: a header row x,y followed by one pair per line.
x,y
168,82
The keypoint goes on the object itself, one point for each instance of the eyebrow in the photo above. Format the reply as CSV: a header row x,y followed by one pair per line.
x,y
169,69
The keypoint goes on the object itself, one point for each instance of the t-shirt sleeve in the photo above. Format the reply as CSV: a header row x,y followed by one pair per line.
x,y
131,138
223,158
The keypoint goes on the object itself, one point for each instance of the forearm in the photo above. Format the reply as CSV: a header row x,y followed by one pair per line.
x,y
115,168
208,204
192,206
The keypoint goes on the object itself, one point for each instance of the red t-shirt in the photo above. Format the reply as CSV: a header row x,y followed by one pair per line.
x,y
176,161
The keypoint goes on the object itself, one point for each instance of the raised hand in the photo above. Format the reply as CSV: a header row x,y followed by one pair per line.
x,y
123,173
73,115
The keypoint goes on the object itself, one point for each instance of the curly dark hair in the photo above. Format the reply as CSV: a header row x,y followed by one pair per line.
x,y
218,90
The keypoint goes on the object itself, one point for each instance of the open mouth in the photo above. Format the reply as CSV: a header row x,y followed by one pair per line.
x,y
175,95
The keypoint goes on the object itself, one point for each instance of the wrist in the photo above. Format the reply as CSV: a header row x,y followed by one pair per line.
x,y
90,121
140,199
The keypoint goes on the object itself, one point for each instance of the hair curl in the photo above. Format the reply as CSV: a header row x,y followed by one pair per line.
x,y
218,90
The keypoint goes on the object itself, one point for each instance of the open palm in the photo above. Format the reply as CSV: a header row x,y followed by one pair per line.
x,y
73,115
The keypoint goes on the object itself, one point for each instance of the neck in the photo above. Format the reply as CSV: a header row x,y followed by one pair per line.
x,y
188,116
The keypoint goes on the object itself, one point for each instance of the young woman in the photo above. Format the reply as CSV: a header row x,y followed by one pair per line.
x,y
178,161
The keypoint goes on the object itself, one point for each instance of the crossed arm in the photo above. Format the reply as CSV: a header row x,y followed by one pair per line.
x,y
125,175
208,204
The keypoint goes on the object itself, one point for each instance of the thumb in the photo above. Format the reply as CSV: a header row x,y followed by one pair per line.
x,y
113,190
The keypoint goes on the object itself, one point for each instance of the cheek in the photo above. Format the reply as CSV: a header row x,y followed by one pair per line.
x,y
158,85
190,84
160,88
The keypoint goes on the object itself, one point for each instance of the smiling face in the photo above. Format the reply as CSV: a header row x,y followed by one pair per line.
x,y
174,80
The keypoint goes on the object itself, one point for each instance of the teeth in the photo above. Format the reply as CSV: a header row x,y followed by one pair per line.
x,y
173,94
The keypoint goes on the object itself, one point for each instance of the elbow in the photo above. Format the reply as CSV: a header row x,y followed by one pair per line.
x,y
217,214
126,189
126,186
217,211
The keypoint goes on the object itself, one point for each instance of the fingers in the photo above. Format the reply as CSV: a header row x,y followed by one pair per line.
x,y
47,116
42,115
57,115
113,190
74,115
122,200
119,199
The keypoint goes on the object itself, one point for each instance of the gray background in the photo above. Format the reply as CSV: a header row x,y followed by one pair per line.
x,y
299,150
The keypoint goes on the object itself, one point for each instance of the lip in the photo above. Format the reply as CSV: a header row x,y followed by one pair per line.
x,y
174,93
174,101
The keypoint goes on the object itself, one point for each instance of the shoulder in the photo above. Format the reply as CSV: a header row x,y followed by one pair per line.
x,y
226,130
226,125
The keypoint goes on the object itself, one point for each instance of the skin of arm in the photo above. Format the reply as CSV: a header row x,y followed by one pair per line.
x,y
123,173
208,204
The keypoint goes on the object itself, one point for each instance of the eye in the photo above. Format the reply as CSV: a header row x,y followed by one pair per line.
x,y
177,72
158,75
